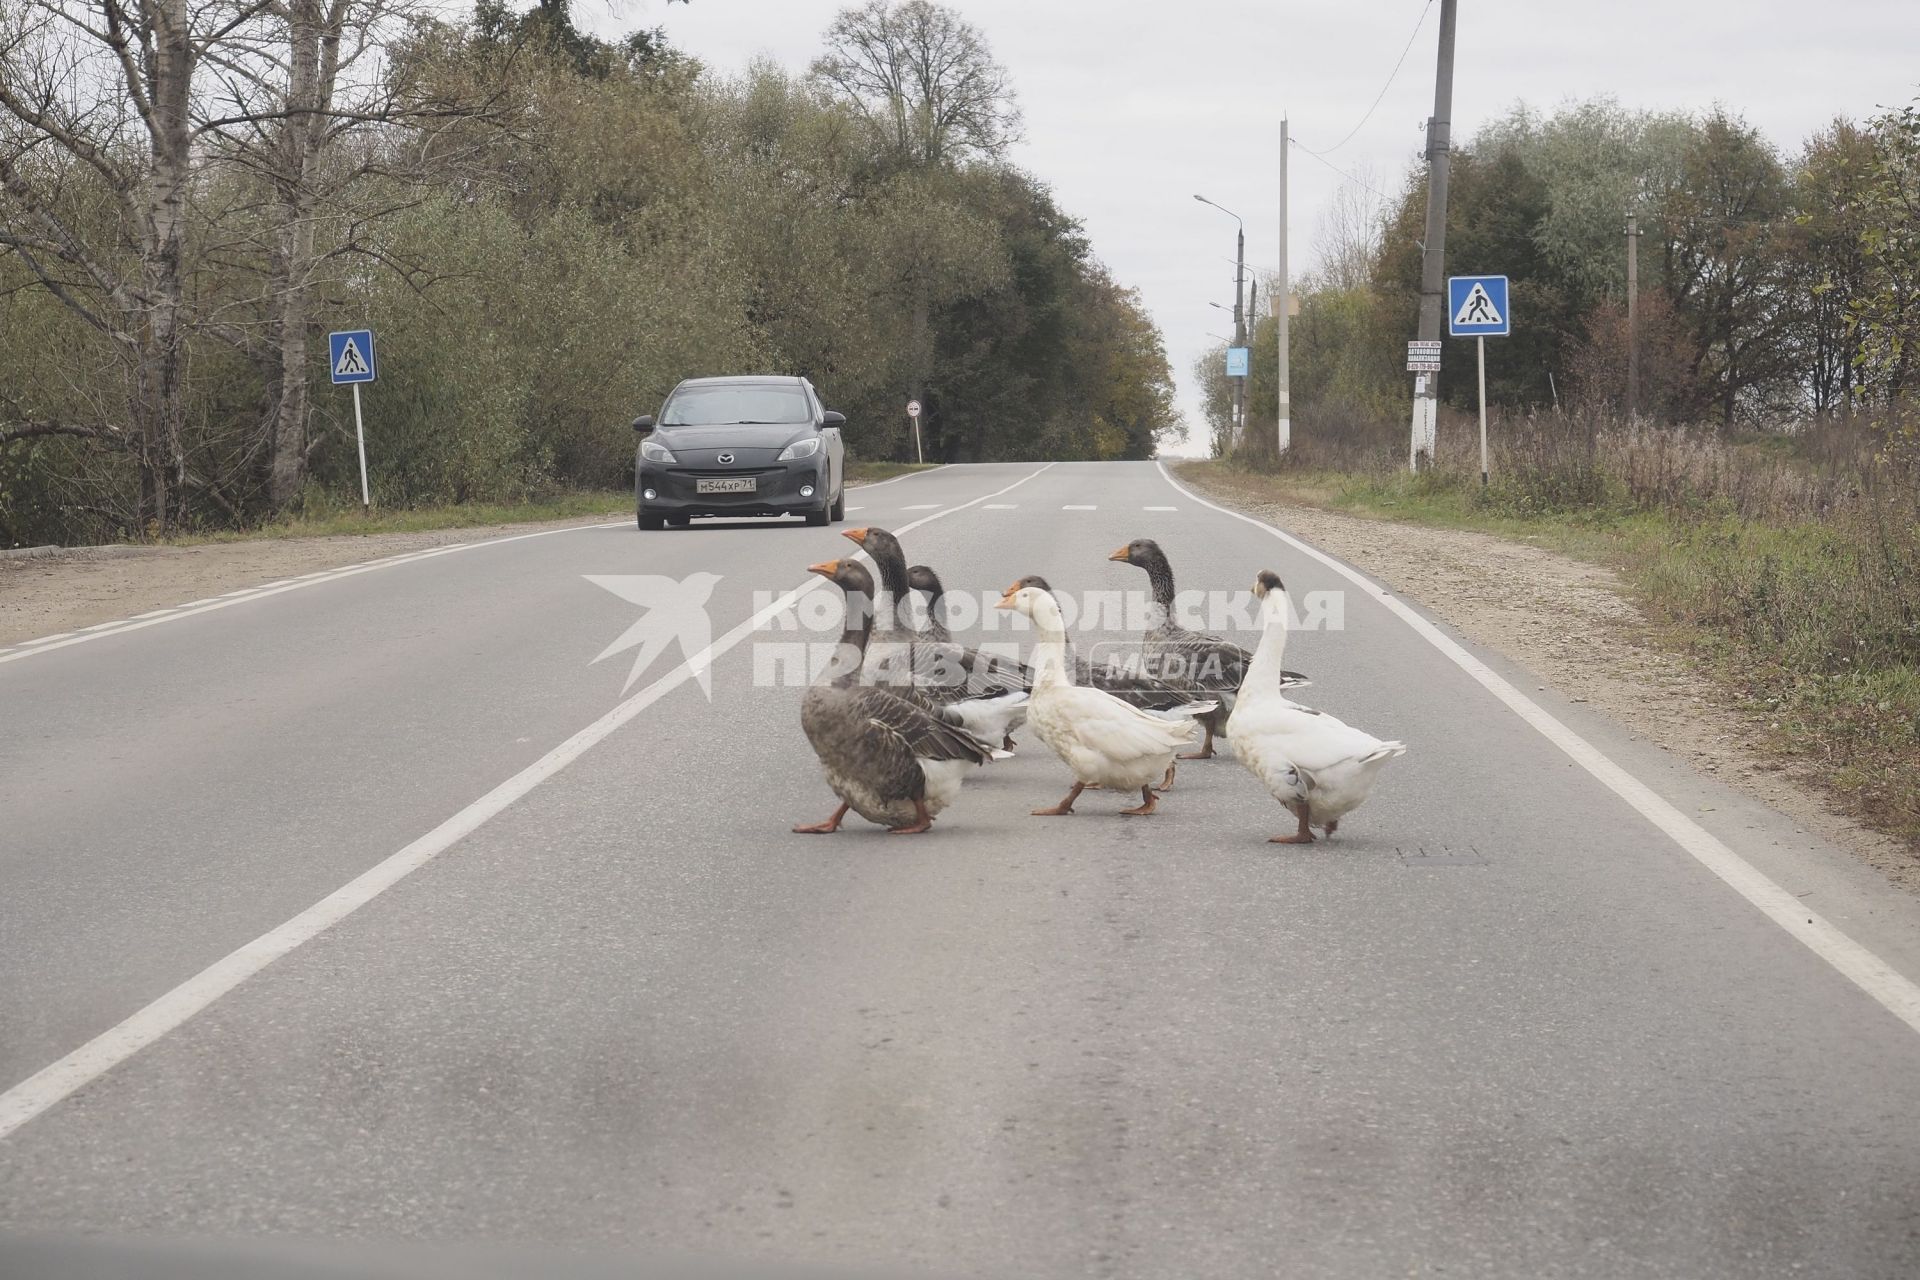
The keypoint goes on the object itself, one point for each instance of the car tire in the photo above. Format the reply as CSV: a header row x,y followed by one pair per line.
x,y
838,511
652,524
822,515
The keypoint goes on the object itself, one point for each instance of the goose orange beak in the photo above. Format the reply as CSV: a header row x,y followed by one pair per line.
x,y
857,535
826,568
1121,554
1006,597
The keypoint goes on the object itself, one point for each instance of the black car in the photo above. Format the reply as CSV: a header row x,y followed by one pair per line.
x,y
757,446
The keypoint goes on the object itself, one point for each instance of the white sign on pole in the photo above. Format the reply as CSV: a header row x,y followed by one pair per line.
x,y
913,408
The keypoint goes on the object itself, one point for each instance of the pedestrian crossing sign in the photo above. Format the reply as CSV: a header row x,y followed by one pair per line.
x,y
1477,307
350,355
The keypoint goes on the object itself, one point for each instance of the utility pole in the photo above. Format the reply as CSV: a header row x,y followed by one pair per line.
x,y
1282,303
1633,315
1239,318
1433,266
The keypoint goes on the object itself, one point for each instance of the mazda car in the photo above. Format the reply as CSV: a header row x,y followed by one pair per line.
x,y
749,446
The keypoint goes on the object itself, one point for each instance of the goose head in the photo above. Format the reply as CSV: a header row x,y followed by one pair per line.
x,y
1036,603
921,578
1272,595
850,576
1143,552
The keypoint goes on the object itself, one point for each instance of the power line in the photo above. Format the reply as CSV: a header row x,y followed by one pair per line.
x,y
1381,96
1358,182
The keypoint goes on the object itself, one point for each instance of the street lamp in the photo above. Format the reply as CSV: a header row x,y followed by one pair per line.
x,y
1239,323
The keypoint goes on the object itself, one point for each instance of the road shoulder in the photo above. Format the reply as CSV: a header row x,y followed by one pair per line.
x,y
1572,624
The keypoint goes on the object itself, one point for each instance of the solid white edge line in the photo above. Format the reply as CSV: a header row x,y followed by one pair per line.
x,y
107,1050
240,595
1895,992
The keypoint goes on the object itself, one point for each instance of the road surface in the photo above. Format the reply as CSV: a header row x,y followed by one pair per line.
x,y
1521,1018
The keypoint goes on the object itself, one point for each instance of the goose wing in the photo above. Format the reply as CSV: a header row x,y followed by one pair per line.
x,y
921,731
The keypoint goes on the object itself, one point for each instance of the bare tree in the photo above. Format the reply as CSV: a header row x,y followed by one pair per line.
x,y
100,94
923,78
1347,239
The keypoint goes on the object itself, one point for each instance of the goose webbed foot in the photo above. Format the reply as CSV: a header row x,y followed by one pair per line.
x,y
1006,742
1303,836
922,821
1204,753
1166,783
1148,803
826,828
1065,806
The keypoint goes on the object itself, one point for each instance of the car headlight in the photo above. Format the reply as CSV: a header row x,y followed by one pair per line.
x,y
654,452
800,449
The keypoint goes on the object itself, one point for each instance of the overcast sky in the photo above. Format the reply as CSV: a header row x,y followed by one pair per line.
x,y
1132,106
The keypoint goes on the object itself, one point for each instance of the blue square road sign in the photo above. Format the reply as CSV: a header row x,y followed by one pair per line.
x,y
1477,307
350,355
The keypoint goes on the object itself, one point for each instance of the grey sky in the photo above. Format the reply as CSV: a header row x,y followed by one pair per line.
x,y
1132,106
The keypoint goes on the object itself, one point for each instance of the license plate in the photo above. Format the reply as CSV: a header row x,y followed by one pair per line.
x,y
741,484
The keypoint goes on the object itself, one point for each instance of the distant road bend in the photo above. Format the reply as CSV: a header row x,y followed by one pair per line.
x,y
376,908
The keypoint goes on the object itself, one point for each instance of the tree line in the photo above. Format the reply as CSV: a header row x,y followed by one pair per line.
x,y
1772,288
546,230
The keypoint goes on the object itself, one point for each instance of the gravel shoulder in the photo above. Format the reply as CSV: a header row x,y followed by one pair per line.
x,y
1572,624
47,595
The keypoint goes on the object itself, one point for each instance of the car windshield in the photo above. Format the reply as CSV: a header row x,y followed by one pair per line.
x,y
734,404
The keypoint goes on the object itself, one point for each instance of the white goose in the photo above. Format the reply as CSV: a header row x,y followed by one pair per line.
x,y
1105,742
1318,766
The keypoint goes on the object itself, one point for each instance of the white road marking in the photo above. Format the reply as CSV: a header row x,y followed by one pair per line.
x,y
922,506
1075,507
1159,508
1897,993
114,1046
853,509
1000,506
46,644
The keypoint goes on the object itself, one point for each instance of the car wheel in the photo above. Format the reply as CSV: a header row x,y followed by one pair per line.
x,y
820,516
838,511
652,523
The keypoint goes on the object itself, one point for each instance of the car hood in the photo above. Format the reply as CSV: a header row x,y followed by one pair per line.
x,y
738,435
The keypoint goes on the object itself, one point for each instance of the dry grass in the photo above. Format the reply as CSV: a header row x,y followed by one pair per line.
x,y
1789,564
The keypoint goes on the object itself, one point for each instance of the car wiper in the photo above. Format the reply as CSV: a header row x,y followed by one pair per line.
x,y
760,422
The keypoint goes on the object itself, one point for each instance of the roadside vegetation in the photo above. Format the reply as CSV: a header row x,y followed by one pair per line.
x,y
1788,566
545,230
1759,493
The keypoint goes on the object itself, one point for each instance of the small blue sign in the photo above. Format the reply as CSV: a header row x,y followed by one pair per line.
x,y
350,353
1477,307
1236,362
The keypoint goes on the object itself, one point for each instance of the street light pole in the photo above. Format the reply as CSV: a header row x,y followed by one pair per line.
x,y
1282,302
1239,315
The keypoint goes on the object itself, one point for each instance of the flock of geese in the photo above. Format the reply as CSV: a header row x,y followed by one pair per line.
x,y
903,714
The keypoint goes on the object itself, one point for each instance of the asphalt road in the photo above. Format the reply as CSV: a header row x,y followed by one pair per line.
x,y
1504,1025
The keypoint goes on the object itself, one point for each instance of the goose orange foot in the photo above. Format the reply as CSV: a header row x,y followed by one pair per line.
x,y
922,821
826,828
1303,836
1148,803
1065,806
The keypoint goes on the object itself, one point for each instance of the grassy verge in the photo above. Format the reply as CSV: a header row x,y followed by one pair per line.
x,y
1806,624
325,522
859,472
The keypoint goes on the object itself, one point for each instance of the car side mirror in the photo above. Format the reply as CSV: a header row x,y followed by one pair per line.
x,y
643,423
832,419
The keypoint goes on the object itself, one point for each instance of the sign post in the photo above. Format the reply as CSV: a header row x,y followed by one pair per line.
x,y
913,416
1477,308
350,354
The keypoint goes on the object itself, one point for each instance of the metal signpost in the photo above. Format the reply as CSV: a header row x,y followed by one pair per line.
x,y
350,354
913,416
1477,308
